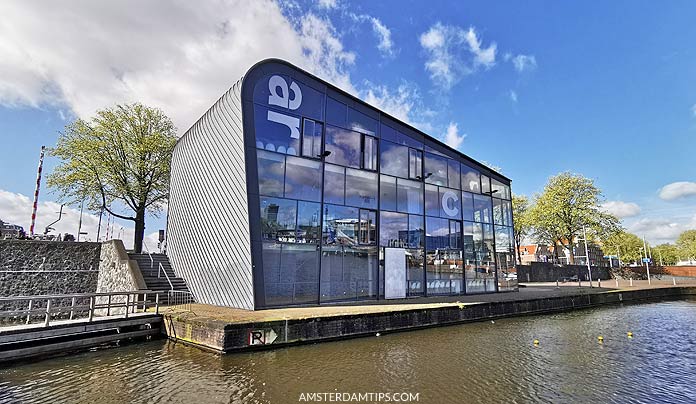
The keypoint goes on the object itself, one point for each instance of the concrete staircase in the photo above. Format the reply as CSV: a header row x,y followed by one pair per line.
x,y
150,269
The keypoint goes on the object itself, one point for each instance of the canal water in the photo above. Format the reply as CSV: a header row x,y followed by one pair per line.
x,y
486,362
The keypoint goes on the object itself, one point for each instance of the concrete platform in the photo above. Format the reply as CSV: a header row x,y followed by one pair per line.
x,y
224,329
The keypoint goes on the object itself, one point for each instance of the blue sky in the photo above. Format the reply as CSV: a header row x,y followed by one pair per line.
x,y
605,89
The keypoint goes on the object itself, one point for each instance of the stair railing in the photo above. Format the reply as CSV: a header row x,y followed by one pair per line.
x,y
147,250
160,270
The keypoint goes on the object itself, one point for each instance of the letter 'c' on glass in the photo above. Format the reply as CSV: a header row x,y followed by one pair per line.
x,y
446,197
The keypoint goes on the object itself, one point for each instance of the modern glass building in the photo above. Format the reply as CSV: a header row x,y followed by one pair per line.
x,y
289,191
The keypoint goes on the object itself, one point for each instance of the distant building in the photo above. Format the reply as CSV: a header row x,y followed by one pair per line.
x,y
8,230
545,253
536,253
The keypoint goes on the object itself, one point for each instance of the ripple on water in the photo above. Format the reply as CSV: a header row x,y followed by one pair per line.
x,y
479,362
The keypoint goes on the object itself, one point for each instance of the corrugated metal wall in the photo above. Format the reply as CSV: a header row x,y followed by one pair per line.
x,y
208,226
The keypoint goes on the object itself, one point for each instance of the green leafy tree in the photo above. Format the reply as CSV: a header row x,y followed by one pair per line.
x,y
686,244
122,155
520,214
627,245
667,253
568,204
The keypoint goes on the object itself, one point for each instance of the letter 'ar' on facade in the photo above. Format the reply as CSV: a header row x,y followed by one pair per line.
x,y
289,191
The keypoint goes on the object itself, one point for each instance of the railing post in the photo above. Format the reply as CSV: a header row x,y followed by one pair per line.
x,y
157,303
144,302
72,308
31,302
91,308
127,303
108,307
48,312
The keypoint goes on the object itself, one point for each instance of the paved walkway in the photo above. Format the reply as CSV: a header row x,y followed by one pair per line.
x,y
526,292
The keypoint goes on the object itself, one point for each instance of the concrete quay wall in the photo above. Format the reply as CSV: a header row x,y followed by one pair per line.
x,y
225,336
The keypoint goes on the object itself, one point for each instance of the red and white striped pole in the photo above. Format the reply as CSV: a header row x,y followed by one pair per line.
x,y
36,193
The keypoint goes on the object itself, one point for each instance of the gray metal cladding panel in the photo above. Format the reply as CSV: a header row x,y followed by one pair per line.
x,y
208,228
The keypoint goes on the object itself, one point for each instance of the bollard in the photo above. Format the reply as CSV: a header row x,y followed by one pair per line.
x,y
556,283
599,282
674,281
617,283
631,280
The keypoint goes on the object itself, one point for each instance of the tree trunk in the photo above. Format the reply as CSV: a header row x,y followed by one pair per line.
x,y
139,230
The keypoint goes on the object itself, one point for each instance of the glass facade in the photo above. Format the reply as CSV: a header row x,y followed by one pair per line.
x,y
336,187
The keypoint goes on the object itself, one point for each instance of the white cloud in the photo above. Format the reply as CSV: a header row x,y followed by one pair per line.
x,y
661,230
678,190
452,137
454,52
693,109
384,34
179,56
404,103
327,4
16,209
513,96
524,62
621,209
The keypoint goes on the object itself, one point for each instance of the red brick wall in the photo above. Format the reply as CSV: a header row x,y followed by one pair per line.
x,y
681,270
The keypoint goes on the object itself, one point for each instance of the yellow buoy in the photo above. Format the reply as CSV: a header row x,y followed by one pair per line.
x,y
536,342
600,339
630,334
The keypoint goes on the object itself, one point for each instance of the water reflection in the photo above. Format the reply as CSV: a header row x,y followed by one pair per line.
x,y
481,362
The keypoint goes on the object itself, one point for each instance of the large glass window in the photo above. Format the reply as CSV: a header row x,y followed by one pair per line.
x,y
336,112
471,179
394,159
344,146
387,192
453,177
432,201
498,214
467,206
278,219
274,136
361,188
361,122
482,208
334,184
416,232
271,167
393,229
368,227
370,153
415,164
485,184
348,273
311,138
436,233
435,169
308,225
303,179
341,225
415,272
409,196
291,273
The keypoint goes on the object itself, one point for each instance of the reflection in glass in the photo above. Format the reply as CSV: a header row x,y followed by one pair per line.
x,y
336,112
361,188
303,179
436,233
436,166
370,153
311,138
362,123
415,164
273,136
348,273
485,184
453,177
409,196
368,227
471,179
432,201
341,225
416,232
415,272
344,146
482,208
308,222
334,180
271,168
467,206
278,218
450,205
393,229
291,273
393,159
387,192
498,214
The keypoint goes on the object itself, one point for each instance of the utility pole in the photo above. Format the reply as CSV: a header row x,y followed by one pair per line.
x,y
36,192
79,224
647,260
587,255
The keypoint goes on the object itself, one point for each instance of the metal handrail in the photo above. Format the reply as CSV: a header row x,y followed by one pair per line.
x,y
133,303
147,250
161,269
